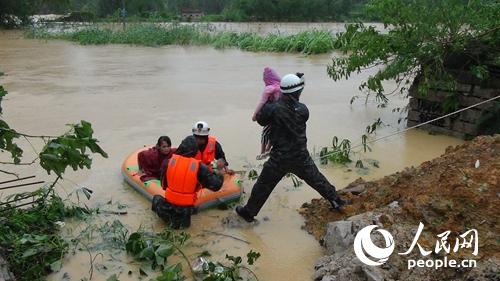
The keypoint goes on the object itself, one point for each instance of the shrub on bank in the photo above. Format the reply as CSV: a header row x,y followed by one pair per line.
x,y
307,42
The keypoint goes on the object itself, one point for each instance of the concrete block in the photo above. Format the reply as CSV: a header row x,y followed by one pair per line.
x,y
485,93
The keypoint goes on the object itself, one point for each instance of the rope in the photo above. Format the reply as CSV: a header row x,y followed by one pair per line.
x,y
410,128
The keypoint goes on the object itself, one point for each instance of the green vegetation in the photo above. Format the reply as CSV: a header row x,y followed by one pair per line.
x,y
343,151
155,253
307,42
427,40
29,237
167,10
293,10
427,43
31,241
154,249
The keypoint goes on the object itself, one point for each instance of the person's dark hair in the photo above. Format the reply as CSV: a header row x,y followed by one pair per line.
x,y
188,147
200,137
164,139
295,95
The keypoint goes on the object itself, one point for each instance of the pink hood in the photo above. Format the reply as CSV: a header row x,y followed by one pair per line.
x,y
271,77
272,89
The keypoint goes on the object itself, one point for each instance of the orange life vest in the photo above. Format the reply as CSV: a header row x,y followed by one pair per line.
x,y
182,180
208,154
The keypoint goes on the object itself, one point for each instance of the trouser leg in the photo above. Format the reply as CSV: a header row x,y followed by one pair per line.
x,y
269,177
162,208
307,171
175,217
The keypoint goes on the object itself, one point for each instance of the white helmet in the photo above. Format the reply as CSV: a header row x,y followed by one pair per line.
x,y
200,128
292,83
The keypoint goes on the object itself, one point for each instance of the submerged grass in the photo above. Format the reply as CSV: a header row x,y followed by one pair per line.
x,y
307,42
29,238
34,246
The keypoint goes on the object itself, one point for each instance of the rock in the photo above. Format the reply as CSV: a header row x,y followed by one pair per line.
x,y
362,220
355,190
486,270
394,205
385,219
355,187
373,273
339,237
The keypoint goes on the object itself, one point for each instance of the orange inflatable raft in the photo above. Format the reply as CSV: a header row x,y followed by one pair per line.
x,y
230,191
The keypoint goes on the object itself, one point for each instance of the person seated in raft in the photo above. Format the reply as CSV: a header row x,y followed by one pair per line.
x,y
184,176
209,149
153,159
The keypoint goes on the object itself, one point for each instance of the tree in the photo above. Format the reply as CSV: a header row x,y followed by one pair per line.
x,y
108,7
424,40
13,13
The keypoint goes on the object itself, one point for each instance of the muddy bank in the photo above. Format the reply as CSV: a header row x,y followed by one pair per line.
x,y
457,191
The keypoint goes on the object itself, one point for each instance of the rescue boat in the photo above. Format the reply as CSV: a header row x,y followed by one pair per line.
x,y
230,191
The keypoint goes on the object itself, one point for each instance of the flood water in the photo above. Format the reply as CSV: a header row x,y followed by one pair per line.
x,y
131,95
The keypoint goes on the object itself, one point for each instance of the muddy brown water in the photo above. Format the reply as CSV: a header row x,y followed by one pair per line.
x,y
133,94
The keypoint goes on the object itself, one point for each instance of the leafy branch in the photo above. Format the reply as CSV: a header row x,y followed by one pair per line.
x,y
424,39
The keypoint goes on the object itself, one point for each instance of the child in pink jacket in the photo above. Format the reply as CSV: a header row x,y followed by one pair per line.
x,y
272,92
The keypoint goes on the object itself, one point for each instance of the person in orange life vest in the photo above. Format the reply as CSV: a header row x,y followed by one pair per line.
x,y
209,149
183,177
151,160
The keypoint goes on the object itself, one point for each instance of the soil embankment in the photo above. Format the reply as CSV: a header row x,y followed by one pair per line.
x,y
456,192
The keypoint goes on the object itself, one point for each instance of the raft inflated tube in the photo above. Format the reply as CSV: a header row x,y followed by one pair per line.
x,y
230,190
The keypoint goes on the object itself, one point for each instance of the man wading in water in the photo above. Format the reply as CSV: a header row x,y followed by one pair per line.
x,y
289,154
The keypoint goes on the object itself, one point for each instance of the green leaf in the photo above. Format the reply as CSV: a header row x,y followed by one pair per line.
x,y
165,250
147,253
87,192
252,257
235,260
30,252
135,243
56,266
159,260
142,272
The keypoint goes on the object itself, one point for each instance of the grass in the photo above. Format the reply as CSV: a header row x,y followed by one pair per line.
x,y
306,42
29,238
33,246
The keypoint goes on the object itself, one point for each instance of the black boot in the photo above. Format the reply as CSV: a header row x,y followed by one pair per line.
x,y
242,212
337,203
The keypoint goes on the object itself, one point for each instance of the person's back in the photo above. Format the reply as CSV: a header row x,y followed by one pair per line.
x,y
182,178
288,119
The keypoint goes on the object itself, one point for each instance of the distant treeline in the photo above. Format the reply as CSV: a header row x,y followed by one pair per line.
x,y
213,10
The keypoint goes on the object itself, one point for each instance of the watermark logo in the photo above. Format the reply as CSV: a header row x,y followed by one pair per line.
x,y
370,254
364,244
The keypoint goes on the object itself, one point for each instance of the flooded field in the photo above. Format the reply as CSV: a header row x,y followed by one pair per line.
x,y
131,95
